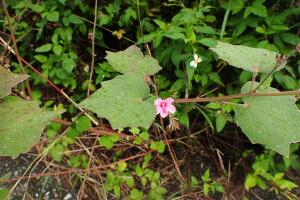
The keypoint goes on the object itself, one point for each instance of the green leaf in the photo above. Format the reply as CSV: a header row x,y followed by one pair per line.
x,y
4,193
259,9
174,33
21,125
135,194
144,136
44,48
125,101
235,5
9,80
117,191
53,16
41,58
74,19
250,182
213,105
220,122
209,42
108,141
57,49
138,171
247,58
206,188
122,166
214,77
269,120
57,152
132,61
161,147
83,124
68,64
158,146
290,38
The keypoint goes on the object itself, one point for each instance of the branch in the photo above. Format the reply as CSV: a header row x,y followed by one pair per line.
x,y
16,52
236,96
93,51
51,83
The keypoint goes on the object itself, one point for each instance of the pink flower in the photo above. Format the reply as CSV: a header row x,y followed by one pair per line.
x,y
164,107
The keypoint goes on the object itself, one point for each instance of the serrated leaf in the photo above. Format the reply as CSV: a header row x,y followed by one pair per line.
x,y
9,80
273,121
125,101
247,58
21,125
132,61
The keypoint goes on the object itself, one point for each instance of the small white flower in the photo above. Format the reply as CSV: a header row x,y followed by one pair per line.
x,y
196,60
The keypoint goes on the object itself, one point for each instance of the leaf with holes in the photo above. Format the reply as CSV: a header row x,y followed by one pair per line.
x,y
9,80
273,121
21,125
125,101
132,61
247,58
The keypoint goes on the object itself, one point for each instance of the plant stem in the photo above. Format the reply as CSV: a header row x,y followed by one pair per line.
x,y
13,38
93,50
236,96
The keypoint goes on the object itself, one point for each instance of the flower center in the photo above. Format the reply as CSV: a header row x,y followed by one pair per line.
x,y
163,104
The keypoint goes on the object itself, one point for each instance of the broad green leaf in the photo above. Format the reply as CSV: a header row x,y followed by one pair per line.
x,y
247,58
9,80
273,121
132,61
125,101
21,125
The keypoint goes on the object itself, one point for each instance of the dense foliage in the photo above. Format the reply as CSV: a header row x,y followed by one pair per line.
x,y
184,59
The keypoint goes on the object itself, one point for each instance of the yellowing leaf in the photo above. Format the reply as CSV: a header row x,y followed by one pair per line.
x,y
119,33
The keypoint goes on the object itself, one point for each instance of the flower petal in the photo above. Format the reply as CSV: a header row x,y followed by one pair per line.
x,y
158,101
164,114
158,109
169,100
171,109
195,56
193,64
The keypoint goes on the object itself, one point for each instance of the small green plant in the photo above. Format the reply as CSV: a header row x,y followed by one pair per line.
x,y
267,174
132,177
210,186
